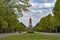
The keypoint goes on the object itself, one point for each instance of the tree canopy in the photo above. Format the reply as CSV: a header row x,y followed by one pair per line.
x,y
8,14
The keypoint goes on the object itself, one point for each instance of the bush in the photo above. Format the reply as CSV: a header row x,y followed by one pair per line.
x,y
30,31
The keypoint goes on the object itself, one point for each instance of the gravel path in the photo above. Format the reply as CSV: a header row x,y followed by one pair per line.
x,y
50,34
8,34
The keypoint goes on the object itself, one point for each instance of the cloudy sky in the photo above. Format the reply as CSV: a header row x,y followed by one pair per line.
x,y
39,9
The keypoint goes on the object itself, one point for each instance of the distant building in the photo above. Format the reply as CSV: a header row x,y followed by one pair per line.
x,y
30,24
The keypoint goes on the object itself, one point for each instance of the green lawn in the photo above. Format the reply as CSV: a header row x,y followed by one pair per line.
x,y
31,36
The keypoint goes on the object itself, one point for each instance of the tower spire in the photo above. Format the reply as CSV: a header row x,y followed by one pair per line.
x,y
30,23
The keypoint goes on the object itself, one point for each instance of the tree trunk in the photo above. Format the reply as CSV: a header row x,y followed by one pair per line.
x,y
56,30
0,27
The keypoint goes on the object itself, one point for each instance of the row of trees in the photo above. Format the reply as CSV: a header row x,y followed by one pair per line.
x,y
46,24
50,23
8,15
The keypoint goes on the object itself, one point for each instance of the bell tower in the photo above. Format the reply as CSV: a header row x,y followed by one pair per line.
x,y
30,24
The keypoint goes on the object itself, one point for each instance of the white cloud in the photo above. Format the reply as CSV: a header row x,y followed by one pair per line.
x,y
45,5
38,10
48,4
33,4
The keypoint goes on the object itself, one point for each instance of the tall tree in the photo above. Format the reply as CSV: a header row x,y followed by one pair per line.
x,y
56,11
8,13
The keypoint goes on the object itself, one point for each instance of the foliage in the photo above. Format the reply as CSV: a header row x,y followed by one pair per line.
x,y
44,24
8,16
21,27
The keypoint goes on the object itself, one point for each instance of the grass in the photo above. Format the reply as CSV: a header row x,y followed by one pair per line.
x,y
31,36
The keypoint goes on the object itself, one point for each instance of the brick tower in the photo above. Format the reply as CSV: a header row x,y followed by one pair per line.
x,y
30,24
